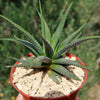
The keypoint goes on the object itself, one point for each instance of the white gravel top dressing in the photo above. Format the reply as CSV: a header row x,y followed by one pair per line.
x,y
35,83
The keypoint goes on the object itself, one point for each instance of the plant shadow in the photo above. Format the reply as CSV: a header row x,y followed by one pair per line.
x,y
53,94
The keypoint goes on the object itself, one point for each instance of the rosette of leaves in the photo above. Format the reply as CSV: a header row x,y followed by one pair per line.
x,y
49,56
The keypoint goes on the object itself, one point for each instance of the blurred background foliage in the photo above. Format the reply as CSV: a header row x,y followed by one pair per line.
x,y
24,13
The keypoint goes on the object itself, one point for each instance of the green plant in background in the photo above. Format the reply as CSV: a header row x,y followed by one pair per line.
x,y
50,54
24,14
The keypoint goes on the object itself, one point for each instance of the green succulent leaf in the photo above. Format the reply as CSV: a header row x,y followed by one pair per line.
x,y
26,65
54,76
56,36
45,29
32,63
48,48
27,44
27,34
26,62
66,62
19,65
63,71
43,59
23,61
73,43
71,37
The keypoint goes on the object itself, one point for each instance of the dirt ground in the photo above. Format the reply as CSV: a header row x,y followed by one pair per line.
x,y
94,93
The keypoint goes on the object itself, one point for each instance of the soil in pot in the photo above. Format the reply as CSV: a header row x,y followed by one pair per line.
x,y
37,84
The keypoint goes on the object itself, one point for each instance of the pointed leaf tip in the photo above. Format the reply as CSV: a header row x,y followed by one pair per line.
x,y
53,76
63,71
7,66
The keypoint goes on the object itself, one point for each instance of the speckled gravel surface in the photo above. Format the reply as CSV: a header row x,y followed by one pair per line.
x,y
35,83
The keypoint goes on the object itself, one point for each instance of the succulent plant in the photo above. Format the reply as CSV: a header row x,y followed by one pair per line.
x,y
49,56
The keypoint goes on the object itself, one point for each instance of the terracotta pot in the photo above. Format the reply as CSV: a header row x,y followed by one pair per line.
x,y
71,96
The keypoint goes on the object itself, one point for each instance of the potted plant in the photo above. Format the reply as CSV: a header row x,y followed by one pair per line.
x,y
48,72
